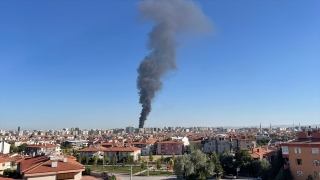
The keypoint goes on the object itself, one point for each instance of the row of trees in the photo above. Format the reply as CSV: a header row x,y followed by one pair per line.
x,y
199,165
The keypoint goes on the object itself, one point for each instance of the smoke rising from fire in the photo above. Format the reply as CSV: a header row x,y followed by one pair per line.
x,y
170,17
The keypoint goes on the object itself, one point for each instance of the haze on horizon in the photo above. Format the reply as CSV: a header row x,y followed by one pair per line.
x,y
66,64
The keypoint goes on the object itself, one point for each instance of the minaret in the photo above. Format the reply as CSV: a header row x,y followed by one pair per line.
x,y
260,129
270,129
293,128
299,127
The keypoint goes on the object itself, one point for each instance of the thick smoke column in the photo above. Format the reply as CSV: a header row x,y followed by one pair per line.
x,y
170,17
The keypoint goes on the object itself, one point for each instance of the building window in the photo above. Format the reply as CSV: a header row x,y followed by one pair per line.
x,y
285,150
316,174
299,173
297,150
316,163
315,151
299,161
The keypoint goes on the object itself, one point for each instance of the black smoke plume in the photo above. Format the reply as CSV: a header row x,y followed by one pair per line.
x,y
170,17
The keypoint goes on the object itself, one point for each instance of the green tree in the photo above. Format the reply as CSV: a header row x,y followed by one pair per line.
x,y
261,168
195,166
95,160
87,171
9,173
158,164
123,163
14,148
106,159
150,156
277,170
226,160
114,160
79,158
173,156
22,147
86,159
218,168
143,165
162,158
243,161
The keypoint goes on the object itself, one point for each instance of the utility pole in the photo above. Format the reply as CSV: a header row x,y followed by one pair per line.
x,y
130,172
147,169
103,163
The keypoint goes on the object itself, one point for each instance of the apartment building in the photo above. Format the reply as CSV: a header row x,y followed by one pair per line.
x,y
217,144
42,149
244,143
302,155
170,147
145,145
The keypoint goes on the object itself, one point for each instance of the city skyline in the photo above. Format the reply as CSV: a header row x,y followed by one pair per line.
x,y
63,64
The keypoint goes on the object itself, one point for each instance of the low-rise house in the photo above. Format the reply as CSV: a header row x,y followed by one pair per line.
x,y
263,153
5,163
93,151
121,152
50,168
170,147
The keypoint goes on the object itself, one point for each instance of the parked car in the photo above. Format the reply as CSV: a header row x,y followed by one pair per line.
x,y
230,176
259,178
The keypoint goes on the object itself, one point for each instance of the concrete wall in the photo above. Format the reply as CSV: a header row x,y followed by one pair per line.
x,y
78,176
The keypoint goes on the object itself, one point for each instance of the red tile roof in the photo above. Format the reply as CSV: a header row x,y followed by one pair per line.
x,y
93,149
42,164
122,149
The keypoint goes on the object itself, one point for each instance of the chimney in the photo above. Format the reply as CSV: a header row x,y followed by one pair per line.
x,y
65,160
258,150
54,164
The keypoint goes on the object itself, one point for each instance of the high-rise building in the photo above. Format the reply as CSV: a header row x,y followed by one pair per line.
x,y
130,129
19,129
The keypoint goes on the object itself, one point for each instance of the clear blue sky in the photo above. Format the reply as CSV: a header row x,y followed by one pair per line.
x,y
73,64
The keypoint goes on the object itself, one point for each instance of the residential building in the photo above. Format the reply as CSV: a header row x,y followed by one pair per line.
x,y
145,145
244,143
50,168
76,143
303,155
42,149
170,147
217,144
5,163
121,152
4,147
93,151
194,145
